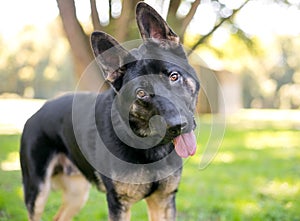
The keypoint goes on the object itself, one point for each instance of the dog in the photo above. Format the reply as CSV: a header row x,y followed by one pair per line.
x,y
128,141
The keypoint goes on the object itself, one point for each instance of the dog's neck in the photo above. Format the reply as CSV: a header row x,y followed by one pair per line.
x,y
132,148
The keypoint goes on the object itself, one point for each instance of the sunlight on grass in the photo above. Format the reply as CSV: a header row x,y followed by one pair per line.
x,y
287,116
254,176
277,139
277,189
248,208
11,163
20,194
224,157
260,118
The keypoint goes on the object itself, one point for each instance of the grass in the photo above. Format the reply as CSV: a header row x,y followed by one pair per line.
x,y
254,176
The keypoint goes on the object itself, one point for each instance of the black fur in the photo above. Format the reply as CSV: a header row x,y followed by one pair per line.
x,y
50,132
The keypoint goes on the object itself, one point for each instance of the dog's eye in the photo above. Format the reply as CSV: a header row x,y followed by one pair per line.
x,y
174,76
140,93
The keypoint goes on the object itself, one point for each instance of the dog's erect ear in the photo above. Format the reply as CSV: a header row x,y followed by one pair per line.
x,y
109,54
153,26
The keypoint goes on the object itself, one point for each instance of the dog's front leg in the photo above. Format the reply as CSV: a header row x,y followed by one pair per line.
x,y
118,208
161,207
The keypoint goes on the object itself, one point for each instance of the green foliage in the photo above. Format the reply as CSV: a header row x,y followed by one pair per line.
x,y
255,176
269,69
273,81
11,205
36,64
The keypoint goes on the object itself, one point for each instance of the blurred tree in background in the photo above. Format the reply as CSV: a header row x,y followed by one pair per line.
x,y
274,87
38,65
118,19
274,80
42,66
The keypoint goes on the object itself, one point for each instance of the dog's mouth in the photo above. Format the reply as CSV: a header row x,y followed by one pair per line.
x,y
185,144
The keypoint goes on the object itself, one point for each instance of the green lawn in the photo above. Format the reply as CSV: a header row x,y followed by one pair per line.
x,y
254,176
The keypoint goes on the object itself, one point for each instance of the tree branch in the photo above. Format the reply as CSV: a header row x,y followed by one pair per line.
x,y
80,47
172,19
174,5
204,38
95,16
124,21
188,18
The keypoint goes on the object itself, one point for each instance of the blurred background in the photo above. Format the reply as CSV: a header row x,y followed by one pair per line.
x,y
246,53
250,46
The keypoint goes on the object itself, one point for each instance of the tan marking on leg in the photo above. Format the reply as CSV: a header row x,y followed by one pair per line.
x,y
127,215
75,194
44,188
161,204
124,216
40,201
161,208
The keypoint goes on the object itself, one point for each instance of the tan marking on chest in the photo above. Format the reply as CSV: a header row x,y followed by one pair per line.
x,y
131,192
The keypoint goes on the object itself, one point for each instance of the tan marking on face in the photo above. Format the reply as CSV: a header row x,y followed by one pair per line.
x,y
191,84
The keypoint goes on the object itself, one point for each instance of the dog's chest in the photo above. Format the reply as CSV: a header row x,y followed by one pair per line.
x,y
127,191
132,192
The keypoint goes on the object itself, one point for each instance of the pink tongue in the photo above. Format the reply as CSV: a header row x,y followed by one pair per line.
x,y
185,144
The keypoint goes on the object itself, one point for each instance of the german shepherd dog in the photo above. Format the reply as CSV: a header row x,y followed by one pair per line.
x,y
128,141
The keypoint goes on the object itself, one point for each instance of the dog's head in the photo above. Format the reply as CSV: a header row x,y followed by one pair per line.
x,y
156,87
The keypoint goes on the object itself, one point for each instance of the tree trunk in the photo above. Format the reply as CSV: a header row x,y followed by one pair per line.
x,y
123,24
172,19
90,79
95,16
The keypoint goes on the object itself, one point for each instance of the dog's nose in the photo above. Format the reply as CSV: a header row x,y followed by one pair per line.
x,y
175,130
184,125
